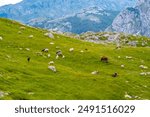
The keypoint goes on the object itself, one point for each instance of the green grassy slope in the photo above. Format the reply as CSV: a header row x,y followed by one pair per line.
x,y
73,79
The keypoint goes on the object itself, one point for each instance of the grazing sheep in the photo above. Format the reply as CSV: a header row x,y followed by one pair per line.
x,y
104,59
30,36
122,66
22,27
52,68
128,57
59,54
145,73
143,67
115,75
45,50
51,63
1,38
95,72
71,49
39,53
28,49
51,43
2,94
127,95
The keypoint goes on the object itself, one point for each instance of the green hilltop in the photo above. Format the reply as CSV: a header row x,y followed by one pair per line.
x,y
23,80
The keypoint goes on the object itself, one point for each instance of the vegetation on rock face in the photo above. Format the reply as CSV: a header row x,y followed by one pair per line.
x,y
22,79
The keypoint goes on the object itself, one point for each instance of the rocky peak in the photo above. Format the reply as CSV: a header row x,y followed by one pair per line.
x,y
133,20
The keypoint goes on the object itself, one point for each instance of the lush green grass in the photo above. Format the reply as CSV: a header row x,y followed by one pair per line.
x,y
73,79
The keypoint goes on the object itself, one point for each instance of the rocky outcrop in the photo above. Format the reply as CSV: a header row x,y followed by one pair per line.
x,y
52,9
133,20
91,19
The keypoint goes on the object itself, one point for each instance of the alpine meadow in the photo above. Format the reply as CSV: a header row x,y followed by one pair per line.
x,y
38,64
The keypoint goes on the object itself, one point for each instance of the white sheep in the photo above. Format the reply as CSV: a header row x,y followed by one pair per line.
x,y
95,72
39,53
71,49
143,67
128,57
51,63
30,36
57,56
22,27
122,66
143,74
52,68
127,95
28,49
45,50
51,43
1,38
48,55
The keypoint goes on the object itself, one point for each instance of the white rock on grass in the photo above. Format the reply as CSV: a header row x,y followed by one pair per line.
x,y
52,68
50,35
20,48
81,51
19,32
1,38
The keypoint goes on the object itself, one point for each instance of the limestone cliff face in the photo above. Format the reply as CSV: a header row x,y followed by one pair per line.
x,y
52,9
133,20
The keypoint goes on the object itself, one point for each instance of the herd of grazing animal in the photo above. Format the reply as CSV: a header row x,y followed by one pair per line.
x,y
59,54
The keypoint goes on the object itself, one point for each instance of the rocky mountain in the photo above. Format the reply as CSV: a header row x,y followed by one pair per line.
x,y
91,19
133,20
29,9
